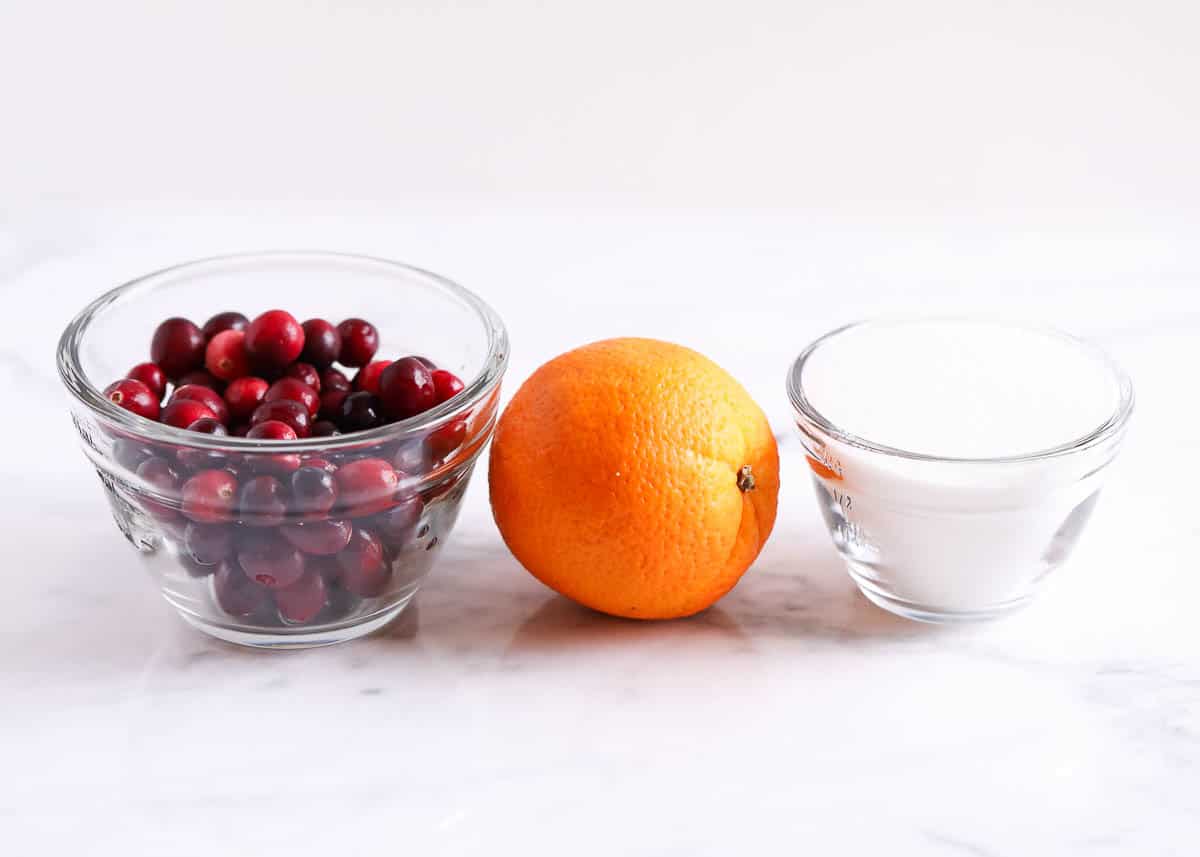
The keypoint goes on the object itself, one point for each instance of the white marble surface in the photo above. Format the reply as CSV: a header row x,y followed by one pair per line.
x,y
497,717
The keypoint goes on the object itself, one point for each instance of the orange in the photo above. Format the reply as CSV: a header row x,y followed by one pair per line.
x,y
635,477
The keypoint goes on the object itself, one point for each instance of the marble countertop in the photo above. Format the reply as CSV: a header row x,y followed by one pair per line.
x,y
496,717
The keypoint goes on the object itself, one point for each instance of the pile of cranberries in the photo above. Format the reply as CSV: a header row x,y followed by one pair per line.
x,y
284,536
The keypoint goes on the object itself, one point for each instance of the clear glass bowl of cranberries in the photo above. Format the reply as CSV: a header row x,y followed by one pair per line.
x,y
286,437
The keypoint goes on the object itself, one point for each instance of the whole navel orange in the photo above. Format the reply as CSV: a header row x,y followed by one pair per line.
x,y
635,477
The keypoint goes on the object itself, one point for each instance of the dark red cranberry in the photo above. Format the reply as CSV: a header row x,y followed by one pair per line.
x,y
412,458
181,413
293,414
222,322
360,341
209,497
163,488
150,375
262,502
177,347
445,439
270,560
195,458
331,404
446,385
282,463
240,430
425,361
236,594
322,342
305,373
200,378
333,379
303,600
271,430
398,525
133,396
206,396
406,389
243,395
321,463
210,426
364,569
322,538
327,567
366,486
208,544
295,390
225,357
360,411
325,428
274,339
313,492
367,378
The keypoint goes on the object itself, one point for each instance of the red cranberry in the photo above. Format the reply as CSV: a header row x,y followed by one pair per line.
x,y
200,378
133,396
163,488
303,600
360,341
406,389
209,496
296,391
321,538
364,569
208,544
291,413
177,347
425,361
412,458
367,378
398,524
445,439
366,486
269,463
206,396
274,339
313,491
333,379
150,375
321,463
240,430
331,404
322,342
327,567
225,357
222,322
305,373
236,594
446,385
262,502
195,458
181,413
325,428
243,395
270,560
360,411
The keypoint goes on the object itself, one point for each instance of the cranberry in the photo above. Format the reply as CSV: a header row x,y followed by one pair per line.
x,y
133,396
368,376
163,488
270,560
325,428
150,375
398,524
225,357
209,496
425,361
406,389
327,567
412,458
129,453
305,373
313,491
446,385
360,341
195,458
243,395
366,486
321,538
269,463
293,414
181,413
303,600
262,502
333,379
200,378
236,594
240,430
296,391
208,544
360,411
447,438
274,339
364,569
177,347
331,404
322,342
321,463
222,322
206,396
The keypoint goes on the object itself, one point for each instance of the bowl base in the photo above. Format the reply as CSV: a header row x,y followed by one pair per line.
x,y
931,614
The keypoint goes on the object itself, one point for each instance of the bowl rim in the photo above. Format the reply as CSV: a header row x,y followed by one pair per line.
x,y
1110,427
71,372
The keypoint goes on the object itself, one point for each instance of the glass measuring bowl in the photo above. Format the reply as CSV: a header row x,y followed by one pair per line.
x,y
953,537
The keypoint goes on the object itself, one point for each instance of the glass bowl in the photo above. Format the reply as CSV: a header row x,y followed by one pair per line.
x,y
331,575
948,537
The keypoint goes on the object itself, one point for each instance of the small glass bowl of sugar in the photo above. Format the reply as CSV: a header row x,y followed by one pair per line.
x,y
956,461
